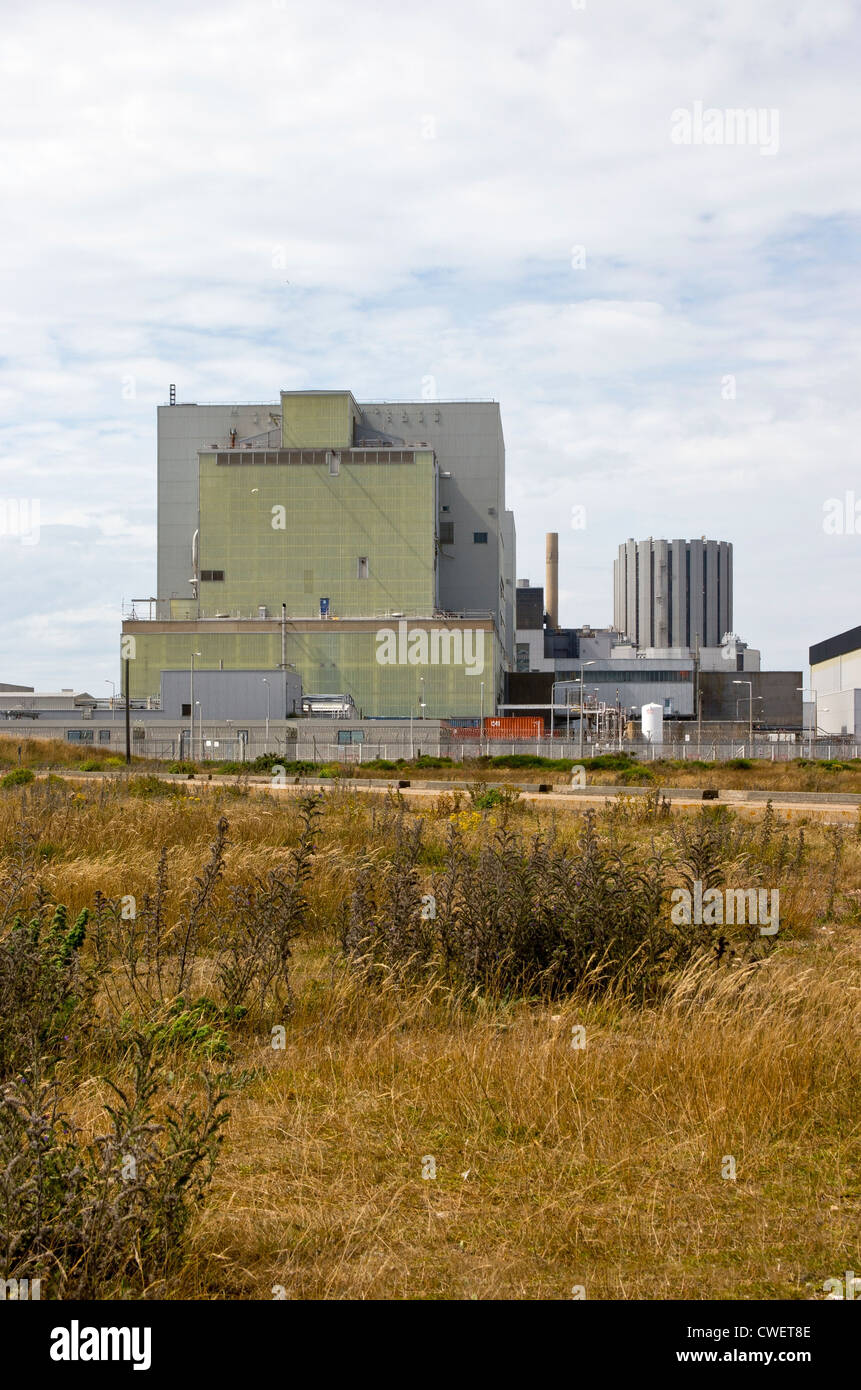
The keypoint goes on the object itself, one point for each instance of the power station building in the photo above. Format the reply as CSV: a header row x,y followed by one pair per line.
x,y
365,547
673,594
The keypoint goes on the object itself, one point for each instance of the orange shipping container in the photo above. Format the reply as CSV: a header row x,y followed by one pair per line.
x,y
514,727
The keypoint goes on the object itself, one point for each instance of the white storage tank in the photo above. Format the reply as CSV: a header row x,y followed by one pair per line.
x,y
652,721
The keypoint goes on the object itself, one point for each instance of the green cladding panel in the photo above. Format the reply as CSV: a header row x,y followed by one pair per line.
x,y
317,419
332,659
326,524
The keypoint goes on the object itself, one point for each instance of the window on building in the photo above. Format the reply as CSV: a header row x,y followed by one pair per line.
x,y
446,533
104,735
521,656
139,733
334,462
351,735
212,576
80,735
186,711
362,571
479,538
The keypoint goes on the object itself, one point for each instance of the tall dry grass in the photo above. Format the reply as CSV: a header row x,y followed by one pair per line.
x,y
556,1166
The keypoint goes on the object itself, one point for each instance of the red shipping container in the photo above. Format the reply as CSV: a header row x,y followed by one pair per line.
x,y
514,727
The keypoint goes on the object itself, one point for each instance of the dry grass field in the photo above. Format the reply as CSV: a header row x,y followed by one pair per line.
x,y
533,1085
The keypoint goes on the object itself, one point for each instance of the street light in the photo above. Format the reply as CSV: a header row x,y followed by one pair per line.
x,y
814,733
481,724
582,665
191,708
553,706
575,681
422,696
268,708
749,685
113,686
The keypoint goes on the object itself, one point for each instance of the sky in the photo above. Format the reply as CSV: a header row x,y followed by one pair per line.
x,y
551,205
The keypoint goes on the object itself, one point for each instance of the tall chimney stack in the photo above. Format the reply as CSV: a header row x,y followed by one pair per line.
x,y
551,581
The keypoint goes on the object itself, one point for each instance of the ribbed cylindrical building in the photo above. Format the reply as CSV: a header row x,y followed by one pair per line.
x,y
673,593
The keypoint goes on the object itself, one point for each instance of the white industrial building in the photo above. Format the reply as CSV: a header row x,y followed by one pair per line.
x,y
835,677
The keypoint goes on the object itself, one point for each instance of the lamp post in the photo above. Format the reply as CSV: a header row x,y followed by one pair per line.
x,y
422,696
481,724
583,665
825,710
268,709
126,679
815,729
113,686
191,709
749,685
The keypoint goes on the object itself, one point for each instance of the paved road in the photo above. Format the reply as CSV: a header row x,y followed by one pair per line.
x,y
784,807
832,808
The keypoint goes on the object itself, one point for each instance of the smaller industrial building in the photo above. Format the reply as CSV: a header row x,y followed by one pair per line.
x,y
835,678
263,694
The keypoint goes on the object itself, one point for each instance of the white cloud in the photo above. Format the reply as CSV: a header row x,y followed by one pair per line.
x,y
156,157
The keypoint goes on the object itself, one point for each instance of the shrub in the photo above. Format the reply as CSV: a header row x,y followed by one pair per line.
x,y
739,764
182,767
486,798
107,1217
42,985
150,785
19,778
254,923
634,776
519,917
195,1028
613,762
527,760
263,918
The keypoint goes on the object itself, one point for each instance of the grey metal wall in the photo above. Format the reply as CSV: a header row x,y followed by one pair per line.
x,y
780,705
182,430
467,439
673,593
232,694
